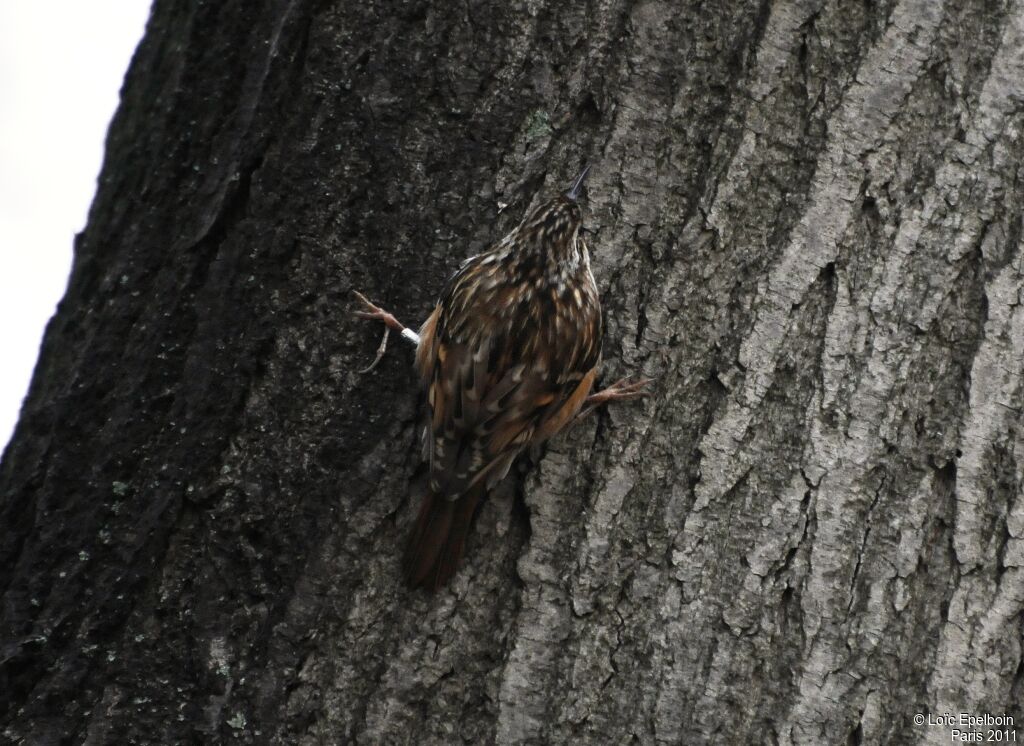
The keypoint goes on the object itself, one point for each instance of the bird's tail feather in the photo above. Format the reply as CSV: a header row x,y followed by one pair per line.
x,y
439,538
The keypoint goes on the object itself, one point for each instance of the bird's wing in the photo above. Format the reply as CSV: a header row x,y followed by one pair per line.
x,y
497,383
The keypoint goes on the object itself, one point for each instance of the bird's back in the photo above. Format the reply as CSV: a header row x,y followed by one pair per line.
x,y
507,357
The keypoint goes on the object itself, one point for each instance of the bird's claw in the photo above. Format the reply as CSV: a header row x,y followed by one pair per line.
x,y
381,349
621,390
375,313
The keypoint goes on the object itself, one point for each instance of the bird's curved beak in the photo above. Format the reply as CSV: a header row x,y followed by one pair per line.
x,y
574,190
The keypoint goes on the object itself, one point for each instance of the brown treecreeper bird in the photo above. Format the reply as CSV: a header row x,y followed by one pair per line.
x,y
508,358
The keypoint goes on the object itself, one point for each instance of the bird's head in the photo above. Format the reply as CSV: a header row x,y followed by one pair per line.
x,y
555,224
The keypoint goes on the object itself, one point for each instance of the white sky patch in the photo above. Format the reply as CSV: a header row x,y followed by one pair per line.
x,y
61,67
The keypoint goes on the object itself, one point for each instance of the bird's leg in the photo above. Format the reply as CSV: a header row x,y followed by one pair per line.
x,y
622,390
375,313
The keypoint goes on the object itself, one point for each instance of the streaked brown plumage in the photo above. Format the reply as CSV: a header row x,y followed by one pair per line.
x,y
508,358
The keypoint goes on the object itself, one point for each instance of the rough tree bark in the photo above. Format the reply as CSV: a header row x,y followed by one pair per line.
x,y
806,220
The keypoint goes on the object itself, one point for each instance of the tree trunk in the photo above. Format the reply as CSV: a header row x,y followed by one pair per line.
x,y
806,227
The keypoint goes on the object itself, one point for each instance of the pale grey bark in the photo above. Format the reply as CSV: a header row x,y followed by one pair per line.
x,y
806,226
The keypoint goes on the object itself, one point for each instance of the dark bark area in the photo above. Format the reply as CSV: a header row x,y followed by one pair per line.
x,y
806,226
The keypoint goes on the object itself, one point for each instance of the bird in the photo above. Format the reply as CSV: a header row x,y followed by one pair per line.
x,y
508,358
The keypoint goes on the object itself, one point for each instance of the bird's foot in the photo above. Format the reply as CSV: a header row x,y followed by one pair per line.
x,y
622,390
376,313
372,312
